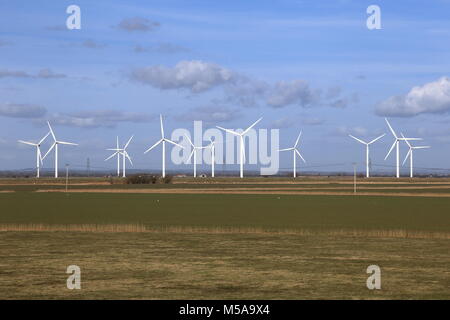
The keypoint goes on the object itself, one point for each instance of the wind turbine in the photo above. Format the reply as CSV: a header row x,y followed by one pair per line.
x,y
212,146
367,150
396,145
117,149
410,155
38,153
163,140
242,146
194,153
295,152
55,146
121,152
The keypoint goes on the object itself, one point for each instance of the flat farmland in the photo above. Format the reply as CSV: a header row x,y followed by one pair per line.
x,y
161,241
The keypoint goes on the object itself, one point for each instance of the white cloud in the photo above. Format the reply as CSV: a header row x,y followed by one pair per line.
x,y
357,131
196,76
286,93
45,73
138,24
91,44
99,118
432,97
210,114
15,110
48,74
285,122
162,48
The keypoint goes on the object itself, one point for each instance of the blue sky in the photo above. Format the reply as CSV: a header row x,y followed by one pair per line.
x,y
302,65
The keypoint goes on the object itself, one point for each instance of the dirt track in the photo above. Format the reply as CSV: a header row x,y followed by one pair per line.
x,y
247,191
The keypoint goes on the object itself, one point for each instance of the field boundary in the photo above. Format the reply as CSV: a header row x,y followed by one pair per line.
x,y
247,191
141,228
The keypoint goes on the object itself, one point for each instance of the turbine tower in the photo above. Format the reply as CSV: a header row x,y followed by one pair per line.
x,y
212,146
55,144
121,152
38,153
163,140
410,155
242,145
295,152
396,145
194,153
367,150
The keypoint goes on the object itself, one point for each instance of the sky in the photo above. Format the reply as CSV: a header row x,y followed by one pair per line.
x,y
305,65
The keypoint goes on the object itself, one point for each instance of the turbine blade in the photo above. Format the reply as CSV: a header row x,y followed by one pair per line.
x,y
153,146
190,156
404,139
128,157
407,155
174,143
390,128
421,147
390,150
40,155
162,126
128,142
190,142
117,142
67,143
359,140
29,143
228,130
51,131
45,137
287,149
51,148
377,138
111,156
254,124
298,139
298,152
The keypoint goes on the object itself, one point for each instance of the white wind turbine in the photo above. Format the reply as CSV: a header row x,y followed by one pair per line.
x,y
55,146
163,140
396,145
410,155
367,150
38,153
295,152
194,153
212,146
242,146
121,152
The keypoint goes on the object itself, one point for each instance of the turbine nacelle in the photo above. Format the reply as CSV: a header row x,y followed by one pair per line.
x,y
242,146
39,158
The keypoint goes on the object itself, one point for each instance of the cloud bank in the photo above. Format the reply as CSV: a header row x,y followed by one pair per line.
x,y
195,76
432,97
138,24
16,110
198,76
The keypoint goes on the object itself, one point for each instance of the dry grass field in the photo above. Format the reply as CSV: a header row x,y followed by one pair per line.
x,y
225,238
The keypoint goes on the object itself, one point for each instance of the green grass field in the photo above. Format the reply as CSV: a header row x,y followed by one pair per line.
x,y
224,246
229,210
